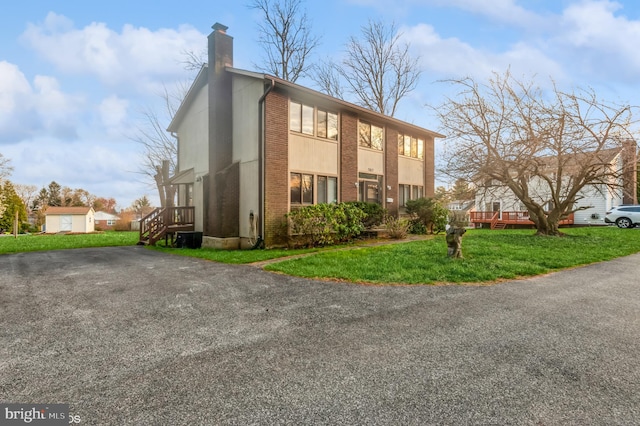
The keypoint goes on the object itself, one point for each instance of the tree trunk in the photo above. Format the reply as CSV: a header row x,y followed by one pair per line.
x,y
546,224
160,186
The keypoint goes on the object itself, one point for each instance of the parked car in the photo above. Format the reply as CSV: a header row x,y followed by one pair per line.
x,y
625,216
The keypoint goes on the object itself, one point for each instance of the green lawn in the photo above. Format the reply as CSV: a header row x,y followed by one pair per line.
x,y
39,242
489,256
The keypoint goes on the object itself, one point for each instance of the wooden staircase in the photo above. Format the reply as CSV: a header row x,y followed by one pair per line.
x,y
165,222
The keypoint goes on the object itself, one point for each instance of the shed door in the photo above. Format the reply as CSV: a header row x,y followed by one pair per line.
x,y
66,223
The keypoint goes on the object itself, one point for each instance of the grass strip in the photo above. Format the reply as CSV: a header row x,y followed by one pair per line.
x,y
488,256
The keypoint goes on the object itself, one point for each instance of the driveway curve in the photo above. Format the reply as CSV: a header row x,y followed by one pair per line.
x,y
131,336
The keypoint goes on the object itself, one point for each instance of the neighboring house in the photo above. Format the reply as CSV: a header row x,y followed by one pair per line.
x,y
461,209
69,219
497,206
105,221
251,147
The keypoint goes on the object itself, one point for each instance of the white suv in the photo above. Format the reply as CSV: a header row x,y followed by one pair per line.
x,y
625,216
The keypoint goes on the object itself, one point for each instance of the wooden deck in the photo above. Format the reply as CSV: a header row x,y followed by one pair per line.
x,y
500,220
166,223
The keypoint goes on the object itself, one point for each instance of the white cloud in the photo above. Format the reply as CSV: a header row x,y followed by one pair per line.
x,y
136,55
598,41
29,109
504,11
13,85
113,114
451,57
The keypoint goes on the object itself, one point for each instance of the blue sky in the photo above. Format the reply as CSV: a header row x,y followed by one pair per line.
x,y
75,75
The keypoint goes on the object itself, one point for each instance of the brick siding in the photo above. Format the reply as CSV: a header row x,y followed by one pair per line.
x,y
391,170
276,185
348,157
429,167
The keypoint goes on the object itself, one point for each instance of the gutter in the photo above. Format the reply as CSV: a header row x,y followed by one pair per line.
x,y
261,161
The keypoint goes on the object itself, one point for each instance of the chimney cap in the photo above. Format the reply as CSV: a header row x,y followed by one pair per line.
x,y
219,27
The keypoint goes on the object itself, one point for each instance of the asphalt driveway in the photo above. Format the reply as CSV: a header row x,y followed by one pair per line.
x,y
129,336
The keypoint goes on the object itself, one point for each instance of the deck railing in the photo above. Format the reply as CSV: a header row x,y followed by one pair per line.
x,y
509,218
162,222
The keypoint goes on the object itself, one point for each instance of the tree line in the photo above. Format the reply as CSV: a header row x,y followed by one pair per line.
x,y
29,202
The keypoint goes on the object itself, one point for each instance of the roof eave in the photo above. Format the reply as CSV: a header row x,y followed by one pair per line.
x,y
347,105
199,82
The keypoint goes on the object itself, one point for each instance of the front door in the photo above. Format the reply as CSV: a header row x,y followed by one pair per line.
x,y
496,208
372,192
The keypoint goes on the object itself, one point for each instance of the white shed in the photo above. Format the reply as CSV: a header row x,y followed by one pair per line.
x,y
69,219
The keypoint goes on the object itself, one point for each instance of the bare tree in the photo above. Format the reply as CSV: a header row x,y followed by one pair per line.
x,y
193,61
285,33
27,194
546,150
377,69
5,171
160,150
5,167
327,77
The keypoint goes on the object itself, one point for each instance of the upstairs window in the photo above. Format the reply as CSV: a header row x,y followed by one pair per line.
x,y
410,146
301,118
327,125
370,136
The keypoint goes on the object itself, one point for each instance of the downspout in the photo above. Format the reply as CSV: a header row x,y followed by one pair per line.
x,y
261,165
177,195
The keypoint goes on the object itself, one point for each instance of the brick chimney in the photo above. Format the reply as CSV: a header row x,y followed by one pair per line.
x,y
223,184
220,48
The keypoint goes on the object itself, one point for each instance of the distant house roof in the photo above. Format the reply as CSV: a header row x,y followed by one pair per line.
x,y
461,204
106,216
68,210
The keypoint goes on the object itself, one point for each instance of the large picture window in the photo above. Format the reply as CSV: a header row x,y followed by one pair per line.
x,y
327,189
370,136
409,192
410,146
301,186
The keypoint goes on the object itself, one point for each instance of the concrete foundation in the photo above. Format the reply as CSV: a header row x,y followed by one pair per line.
x,y
232,243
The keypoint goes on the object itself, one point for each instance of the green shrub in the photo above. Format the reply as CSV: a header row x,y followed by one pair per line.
x,y
374,213
324,224
417,228
427,214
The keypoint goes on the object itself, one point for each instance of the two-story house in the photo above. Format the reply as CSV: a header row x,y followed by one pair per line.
x,y
496,206
251,147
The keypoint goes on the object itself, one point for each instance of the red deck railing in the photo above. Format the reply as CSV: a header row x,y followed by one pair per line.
x,y
509,218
